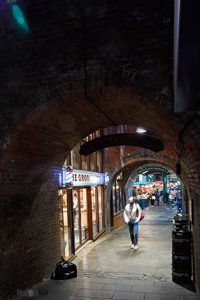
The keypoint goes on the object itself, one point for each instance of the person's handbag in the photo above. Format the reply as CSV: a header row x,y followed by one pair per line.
x,y
141,216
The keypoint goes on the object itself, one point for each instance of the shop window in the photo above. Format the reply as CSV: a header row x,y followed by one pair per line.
x,y
97,133
99,161
90,137
92,162
85,162
93,159
84,215
80,216
114,199
94,211
100,206
120,194
117,196
65,237
75,157
76,218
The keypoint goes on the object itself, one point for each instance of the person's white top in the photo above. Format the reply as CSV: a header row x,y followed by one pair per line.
x,y
130,212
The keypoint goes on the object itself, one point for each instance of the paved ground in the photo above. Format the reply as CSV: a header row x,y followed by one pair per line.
x,y
110,269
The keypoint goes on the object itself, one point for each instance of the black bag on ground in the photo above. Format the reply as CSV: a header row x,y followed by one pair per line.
x,y
65,270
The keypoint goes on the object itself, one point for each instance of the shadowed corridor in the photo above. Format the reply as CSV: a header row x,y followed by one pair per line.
x,y
110,269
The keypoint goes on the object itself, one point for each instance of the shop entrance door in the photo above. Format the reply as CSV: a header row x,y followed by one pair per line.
x,y
97,211
80,216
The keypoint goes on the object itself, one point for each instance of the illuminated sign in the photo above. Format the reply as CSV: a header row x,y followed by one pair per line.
x,y
66,178
71,177
107,179
84,178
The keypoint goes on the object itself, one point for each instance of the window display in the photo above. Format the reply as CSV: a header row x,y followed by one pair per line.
x,y
94,211
117,195
76,218
100,205
84,215
64,228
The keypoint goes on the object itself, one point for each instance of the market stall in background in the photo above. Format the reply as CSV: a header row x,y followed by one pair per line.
x,y
154,192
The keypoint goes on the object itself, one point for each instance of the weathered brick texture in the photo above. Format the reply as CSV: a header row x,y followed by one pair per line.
x,y
29,227
84,66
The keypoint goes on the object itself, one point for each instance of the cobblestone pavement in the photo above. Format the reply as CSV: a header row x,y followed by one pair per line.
x,y
110,269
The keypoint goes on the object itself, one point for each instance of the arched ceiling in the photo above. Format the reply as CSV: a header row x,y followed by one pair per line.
x,y
85,66
150,168
153,168
134,160
77,61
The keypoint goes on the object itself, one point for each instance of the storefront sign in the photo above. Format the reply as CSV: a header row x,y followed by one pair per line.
x,y
71,177
87,178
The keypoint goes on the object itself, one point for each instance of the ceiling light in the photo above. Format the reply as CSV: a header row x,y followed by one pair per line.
x,y
140,130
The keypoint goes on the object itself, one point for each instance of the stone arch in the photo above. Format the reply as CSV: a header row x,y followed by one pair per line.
x,y
37,147
139,158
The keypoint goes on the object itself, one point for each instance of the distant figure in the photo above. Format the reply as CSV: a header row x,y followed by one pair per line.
x,y
167,199
158,197
179,201
134,193
132,218
171,199
153,199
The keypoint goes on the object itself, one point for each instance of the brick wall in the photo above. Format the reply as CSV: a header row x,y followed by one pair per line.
x,y
38,146
196,236
190,156
79,70
29,226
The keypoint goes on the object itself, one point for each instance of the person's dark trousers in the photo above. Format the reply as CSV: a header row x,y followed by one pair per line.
x,y
133,230
130,227
135,239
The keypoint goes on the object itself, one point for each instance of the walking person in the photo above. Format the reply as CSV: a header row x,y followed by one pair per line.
x,y
158,197
132,214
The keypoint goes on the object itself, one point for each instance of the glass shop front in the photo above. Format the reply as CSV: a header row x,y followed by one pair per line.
x,y
81,211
